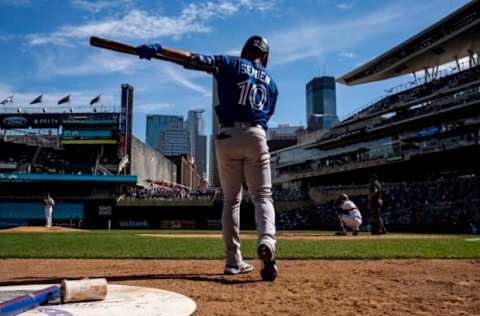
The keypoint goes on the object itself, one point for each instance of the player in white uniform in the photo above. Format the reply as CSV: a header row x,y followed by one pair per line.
x,y
48,202
348,215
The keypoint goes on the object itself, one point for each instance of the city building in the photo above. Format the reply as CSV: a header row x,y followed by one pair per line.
x,y
321,103
173,141
157,122
187,173
201,155
198,146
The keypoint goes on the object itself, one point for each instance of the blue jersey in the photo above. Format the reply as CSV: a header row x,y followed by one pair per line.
x,y
246,92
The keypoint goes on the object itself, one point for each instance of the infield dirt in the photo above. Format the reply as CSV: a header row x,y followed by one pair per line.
x,y
312,287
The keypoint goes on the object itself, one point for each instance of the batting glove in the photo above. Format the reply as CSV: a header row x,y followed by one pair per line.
x,y
148,51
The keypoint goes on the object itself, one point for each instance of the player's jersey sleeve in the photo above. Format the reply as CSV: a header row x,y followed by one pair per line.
x,y
224,64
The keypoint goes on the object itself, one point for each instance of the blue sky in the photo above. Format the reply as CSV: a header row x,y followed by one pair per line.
x,y
45,48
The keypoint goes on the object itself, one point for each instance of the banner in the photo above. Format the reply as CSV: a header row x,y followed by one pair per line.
x,y
87,134
55,120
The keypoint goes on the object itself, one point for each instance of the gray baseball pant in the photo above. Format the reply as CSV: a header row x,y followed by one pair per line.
x,y
242,155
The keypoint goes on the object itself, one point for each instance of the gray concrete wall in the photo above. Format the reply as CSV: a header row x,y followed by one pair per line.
x,y
148,164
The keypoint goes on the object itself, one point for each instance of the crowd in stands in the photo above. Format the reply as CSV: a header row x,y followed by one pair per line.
x,y
173,192
417,92
169,193
22,158
289,195
448,205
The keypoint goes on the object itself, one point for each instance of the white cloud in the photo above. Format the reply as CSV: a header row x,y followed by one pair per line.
x,y
99,5
98,63
152,107
5,37
79,98
313,39
345,6
141,25
16,2
179,77
347,55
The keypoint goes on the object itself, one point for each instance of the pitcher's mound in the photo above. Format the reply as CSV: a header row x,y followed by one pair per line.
x,y
40,229
121,300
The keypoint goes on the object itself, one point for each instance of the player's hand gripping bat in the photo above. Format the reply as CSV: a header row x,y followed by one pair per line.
x,y
168,54
66,292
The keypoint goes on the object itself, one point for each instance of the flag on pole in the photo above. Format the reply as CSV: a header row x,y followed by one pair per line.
x,y
37,100
7,100
65,99
95,100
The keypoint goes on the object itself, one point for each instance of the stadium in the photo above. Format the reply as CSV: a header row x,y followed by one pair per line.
x,y
421,139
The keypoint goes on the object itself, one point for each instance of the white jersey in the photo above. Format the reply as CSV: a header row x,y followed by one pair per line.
x,y
351,208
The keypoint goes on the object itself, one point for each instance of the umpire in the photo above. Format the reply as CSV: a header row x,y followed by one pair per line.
x,y
247,97
375,202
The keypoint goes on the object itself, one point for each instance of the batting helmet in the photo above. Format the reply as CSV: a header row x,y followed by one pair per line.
x,y
256,43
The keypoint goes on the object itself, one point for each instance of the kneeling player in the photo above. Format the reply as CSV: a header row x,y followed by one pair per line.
x,y
348,215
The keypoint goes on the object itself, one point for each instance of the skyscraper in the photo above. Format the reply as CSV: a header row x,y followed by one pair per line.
x,y
321,103
173,141
198,150
201,155
157,122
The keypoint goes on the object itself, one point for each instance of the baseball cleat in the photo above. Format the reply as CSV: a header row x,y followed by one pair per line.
x,y
242,268
341,233
269,269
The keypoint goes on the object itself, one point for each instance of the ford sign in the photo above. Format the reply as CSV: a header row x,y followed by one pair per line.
x,y
15,121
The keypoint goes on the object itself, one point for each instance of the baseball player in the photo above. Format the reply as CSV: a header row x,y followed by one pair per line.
x,y
348,215
375,202
247,97
48,202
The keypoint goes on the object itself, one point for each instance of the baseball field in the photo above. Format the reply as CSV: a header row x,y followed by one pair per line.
x,y
319,274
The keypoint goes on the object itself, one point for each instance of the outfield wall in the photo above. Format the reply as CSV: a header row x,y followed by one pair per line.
x,y
149,164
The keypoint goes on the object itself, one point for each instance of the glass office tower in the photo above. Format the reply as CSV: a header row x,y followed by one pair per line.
x,y
321,103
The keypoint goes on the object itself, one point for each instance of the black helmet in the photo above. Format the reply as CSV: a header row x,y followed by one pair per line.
x,y
341,198
257,43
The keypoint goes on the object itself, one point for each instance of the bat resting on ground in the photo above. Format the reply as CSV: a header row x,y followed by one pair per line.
x,y
68,291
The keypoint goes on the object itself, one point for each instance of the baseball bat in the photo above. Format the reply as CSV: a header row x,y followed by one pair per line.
x,y
67,292
128,49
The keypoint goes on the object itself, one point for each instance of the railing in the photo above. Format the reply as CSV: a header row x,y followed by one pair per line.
x,y
59,109
374,161
410,85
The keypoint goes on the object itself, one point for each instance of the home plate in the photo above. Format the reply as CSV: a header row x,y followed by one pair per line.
x,y
120,300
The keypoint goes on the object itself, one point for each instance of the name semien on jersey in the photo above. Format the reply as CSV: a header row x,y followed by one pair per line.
x,y
255,73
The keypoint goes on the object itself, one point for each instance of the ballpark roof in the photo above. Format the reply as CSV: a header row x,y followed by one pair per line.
x,y
453,37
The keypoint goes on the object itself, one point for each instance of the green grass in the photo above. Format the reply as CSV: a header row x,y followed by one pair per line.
x,y
129,245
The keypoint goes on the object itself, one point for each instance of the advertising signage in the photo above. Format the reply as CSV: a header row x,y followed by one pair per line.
x,y
19,121
55,120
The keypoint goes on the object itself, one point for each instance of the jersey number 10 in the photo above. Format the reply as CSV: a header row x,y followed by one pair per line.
x,y
256,94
